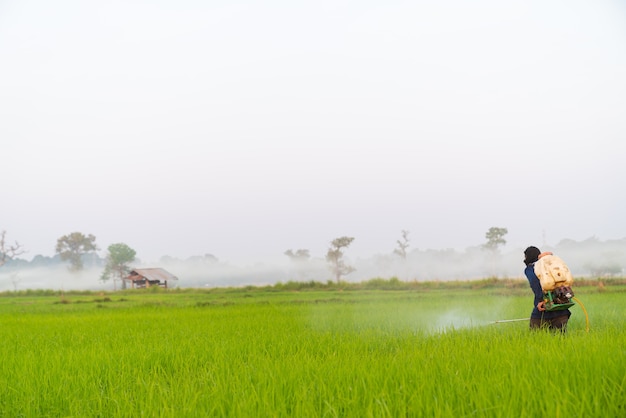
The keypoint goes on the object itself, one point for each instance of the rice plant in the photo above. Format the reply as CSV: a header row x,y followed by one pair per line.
x,y
285,354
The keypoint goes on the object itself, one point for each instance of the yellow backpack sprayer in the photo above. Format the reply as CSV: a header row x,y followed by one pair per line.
x,y
556,282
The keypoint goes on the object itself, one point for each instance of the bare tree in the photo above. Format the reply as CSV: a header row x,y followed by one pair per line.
x,y
402,245
335,257
15,281
7,251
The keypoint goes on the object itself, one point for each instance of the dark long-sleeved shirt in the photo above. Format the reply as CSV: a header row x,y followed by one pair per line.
x,y
535,285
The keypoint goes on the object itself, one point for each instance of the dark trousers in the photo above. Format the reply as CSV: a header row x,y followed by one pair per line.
x,y
555,324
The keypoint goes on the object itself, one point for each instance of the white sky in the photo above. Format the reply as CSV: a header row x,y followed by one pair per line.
x,y
246,128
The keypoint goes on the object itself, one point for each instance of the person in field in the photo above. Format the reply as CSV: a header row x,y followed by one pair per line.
x,y
540,318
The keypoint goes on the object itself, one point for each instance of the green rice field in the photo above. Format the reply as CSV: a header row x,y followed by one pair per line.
x,y
312,353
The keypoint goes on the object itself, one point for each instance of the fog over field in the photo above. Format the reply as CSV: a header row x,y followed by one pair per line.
x,y
589,258
242,129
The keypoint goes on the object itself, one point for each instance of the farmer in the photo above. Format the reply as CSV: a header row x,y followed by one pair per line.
x,y
540,318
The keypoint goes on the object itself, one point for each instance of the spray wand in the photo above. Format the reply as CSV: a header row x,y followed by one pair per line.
x,y
526,319
510,320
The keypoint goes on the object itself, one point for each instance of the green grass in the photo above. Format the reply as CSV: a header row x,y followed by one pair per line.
x,y
260,353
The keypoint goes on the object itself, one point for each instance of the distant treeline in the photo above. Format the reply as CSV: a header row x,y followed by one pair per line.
x,y
590,258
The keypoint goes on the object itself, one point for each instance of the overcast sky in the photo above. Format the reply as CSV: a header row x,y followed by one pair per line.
x,y
246,128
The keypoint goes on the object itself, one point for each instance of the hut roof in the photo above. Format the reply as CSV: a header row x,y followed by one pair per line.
x,y
154,274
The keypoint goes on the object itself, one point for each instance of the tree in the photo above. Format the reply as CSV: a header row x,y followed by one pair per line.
x,y
335,257
495,238
15,281
7,251
72,247
402,245
299,261
206,259
299,255
118,258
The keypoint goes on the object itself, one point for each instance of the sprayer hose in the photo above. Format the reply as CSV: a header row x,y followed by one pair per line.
x,y
584,310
